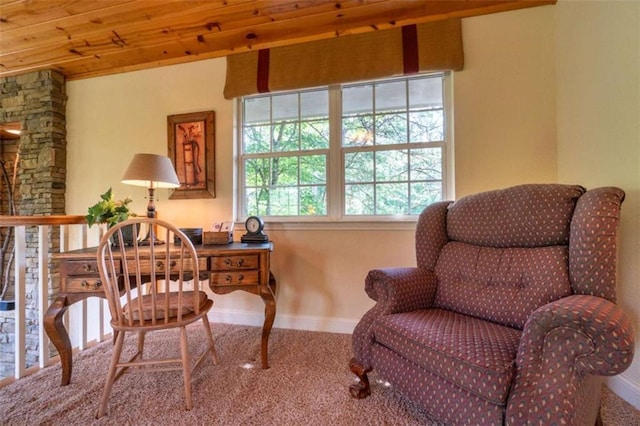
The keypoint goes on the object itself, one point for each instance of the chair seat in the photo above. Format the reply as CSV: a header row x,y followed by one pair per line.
x,y
174,306
474,354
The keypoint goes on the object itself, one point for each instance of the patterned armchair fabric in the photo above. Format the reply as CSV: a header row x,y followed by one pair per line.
x,y
509,313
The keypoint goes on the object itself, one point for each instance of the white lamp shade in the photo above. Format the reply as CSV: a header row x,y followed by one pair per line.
x,y
151,171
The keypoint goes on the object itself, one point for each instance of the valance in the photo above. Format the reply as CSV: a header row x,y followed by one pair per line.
x,y
433,46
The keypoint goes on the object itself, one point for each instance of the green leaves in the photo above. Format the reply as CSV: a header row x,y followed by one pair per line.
x,y
108,210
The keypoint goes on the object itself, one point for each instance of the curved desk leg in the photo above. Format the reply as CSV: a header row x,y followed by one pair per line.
x,y
58,335
268,297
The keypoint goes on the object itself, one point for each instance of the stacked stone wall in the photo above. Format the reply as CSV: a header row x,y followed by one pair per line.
x,y
37,101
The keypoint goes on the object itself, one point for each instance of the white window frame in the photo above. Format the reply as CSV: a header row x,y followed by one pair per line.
x,y
335,179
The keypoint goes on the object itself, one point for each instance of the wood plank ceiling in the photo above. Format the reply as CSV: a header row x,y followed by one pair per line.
x,y
88,38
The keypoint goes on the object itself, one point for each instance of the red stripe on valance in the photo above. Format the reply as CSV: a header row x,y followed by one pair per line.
x,y
410,49
263,71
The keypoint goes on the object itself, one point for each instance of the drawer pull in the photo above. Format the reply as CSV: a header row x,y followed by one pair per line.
x,y
229,262
86,283
229,278
160,264
87,267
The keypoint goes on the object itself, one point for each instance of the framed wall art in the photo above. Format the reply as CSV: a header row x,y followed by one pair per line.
x,y
192,151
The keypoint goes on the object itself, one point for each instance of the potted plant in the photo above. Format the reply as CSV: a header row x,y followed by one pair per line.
x,y
111,211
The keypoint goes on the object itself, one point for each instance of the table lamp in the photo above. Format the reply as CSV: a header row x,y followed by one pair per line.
x,y
151,171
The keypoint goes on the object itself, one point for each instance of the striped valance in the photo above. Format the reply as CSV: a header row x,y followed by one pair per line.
x,y
433,46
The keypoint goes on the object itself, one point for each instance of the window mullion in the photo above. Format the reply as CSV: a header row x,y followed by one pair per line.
x,y
299,153
448,166
408,136
374,113
335,170
239,159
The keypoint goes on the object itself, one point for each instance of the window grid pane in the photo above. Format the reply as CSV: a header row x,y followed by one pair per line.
x,y
395,125
285,149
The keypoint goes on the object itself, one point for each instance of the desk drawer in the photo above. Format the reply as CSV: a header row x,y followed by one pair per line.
x,y
80,285
145,265
234,278
83,267
227,263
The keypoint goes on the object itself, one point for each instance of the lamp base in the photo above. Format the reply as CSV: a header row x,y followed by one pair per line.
x,y
151,213
151,236
146,241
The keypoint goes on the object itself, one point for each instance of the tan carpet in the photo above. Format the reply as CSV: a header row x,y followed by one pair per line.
x,y
306,385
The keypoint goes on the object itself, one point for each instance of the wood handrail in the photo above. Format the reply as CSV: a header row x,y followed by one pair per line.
x,y
42,220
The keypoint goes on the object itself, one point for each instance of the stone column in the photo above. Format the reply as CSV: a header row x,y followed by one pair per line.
x,y
37,101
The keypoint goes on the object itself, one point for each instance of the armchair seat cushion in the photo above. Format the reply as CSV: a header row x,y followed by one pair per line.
x,y
472,353
501,285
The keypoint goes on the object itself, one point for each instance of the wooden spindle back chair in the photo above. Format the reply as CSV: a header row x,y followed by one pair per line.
x,y
152,287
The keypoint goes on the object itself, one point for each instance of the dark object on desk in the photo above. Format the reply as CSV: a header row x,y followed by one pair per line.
x,y
194,235
254,239
129,233
255,235
7,305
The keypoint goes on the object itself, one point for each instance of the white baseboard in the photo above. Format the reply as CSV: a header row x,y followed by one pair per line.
x,y
625,388
295,322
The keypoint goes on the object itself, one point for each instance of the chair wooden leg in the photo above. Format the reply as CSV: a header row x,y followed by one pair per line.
x,y
599,418
362,389
140,343
212,348
186,367
111,376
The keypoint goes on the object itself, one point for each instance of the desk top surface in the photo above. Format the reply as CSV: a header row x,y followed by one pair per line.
x,y
203,250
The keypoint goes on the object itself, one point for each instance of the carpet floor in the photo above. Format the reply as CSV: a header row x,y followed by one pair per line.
x,y
307,384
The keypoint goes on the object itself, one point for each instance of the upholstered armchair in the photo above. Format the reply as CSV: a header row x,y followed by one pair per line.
x,y
509,316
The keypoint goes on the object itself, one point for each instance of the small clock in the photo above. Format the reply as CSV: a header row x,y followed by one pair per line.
x,y
254,226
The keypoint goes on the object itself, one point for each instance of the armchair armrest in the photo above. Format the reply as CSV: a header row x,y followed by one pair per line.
x,y
561,343
401,289
395,290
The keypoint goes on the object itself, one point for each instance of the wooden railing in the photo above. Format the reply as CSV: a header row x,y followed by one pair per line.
x,y
73,234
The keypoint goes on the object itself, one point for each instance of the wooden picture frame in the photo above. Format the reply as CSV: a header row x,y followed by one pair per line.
x,y
191,148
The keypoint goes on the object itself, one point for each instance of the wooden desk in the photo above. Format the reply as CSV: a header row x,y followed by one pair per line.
x,y
231,267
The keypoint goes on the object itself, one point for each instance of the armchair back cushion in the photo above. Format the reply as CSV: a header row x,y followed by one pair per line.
x,y
520,216
507,252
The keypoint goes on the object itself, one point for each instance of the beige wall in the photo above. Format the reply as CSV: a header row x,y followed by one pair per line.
x,y
505,128
598,84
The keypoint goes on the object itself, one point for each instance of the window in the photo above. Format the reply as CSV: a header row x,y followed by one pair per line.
x,y
361,151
